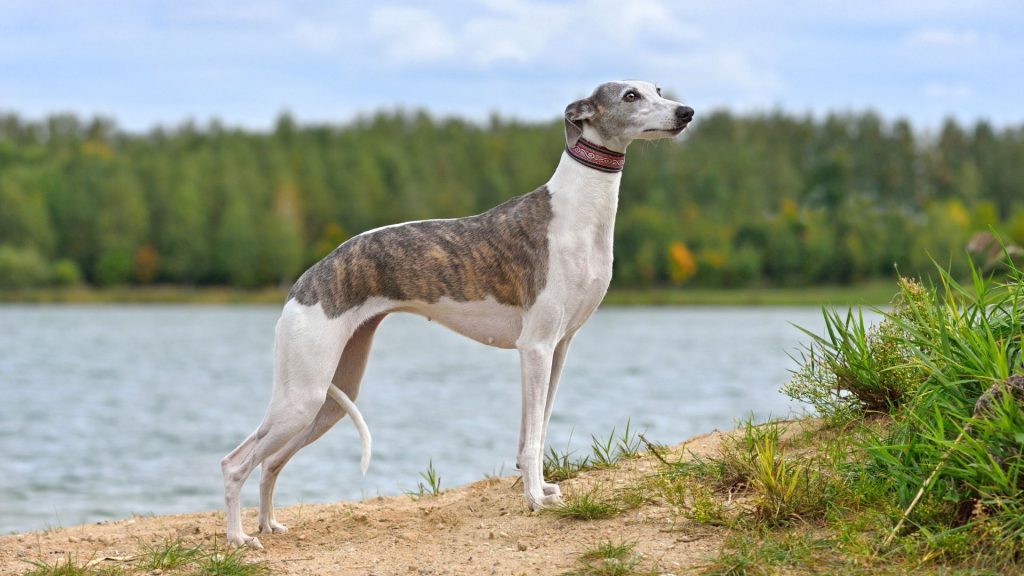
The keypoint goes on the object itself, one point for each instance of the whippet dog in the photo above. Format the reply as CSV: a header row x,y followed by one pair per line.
x,y
525,275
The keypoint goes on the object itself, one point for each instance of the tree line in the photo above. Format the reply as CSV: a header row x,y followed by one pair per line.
x,y
767,199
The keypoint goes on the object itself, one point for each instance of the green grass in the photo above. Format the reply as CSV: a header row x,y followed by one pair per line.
x,y
855,369
71,566
172,556
559,466
919,467
691,498
430,484
610,559
170,553
593,504
604,453
230,563
607,452
746,554
67,566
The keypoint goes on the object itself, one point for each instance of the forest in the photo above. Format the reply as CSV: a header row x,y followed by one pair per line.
x,y
765,199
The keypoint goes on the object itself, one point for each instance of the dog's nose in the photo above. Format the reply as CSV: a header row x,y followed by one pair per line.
x,y
684,113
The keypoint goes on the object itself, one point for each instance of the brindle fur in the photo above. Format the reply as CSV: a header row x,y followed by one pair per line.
x,y
502,253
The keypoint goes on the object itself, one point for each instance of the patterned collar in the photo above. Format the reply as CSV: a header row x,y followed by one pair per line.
x,y
597,157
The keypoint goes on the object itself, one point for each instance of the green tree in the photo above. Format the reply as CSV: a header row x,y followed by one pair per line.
x,y
183,241
237,246
24,217
281,246
120,227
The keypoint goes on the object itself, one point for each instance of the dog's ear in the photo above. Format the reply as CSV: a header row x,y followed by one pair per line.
x,y
575,114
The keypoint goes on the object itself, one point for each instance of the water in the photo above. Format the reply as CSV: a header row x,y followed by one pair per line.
x,y
111,411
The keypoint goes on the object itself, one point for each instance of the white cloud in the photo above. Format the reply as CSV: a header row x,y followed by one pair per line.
x,y
316,36
513,32
643,20
411,35
522,32
941,38
253,13
955,91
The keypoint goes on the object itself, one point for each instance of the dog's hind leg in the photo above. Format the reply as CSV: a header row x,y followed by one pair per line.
x,y
328,415
307,348
347,377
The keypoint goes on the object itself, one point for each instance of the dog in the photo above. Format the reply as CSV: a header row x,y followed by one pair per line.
x,y
526,275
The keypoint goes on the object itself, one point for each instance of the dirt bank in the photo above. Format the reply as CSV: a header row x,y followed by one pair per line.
x,y
481,528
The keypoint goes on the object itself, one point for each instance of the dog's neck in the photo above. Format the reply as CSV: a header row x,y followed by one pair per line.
x,y
594,186
590,196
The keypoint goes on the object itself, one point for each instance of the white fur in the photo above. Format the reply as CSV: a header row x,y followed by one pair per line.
x,y
486,321
314,387
357,418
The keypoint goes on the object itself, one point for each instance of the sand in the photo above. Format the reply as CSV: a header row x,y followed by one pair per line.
x,y
478,529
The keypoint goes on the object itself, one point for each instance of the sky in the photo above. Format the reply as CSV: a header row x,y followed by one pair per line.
x,y
149,62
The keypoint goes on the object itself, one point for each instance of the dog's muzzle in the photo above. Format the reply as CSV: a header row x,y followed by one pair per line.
x,y
684,114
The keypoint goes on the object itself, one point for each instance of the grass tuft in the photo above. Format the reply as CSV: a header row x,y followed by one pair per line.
x,y
593,504
610,559
559,466
604,453
430,484
748,555
609,451
67,566
230,563
171,553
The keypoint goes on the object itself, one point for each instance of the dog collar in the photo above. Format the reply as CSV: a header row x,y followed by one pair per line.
x,y
597,157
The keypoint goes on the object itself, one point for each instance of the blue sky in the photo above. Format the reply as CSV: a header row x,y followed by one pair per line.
x,y
146,62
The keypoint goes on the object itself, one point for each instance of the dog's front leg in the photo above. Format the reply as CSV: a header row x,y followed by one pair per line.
x,y
557,362
535,362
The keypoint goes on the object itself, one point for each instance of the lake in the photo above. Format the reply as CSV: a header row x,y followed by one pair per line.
x,y
108,411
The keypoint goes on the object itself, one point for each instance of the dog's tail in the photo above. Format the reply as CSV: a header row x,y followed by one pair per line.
x,y
364,433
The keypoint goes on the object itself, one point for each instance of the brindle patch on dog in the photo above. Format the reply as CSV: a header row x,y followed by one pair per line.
x,y
502,253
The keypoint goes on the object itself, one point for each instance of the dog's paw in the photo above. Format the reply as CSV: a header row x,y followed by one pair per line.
x,y
548,501
244,540
551,489
273,527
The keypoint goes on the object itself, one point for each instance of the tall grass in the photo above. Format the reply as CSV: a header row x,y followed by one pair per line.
x,y
962,437
854,369
944,366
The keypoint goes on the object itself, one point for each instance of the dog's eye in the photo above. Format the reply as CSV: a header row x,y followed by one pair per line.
x,y
631,96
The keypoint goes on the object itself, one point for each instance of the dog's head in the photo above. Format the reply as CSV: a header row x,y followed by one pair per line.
x,y
619,112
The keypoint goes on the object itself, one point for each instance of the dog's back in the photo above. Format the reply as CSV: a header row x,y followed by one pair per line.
x,y
501,254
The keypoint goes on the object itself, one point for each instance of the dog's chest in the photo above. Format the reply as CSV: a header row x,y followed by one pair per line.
x,y
580,239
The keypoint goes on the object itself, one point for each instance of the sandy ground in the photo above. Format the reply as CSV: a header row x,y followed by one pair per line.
x,y
482,528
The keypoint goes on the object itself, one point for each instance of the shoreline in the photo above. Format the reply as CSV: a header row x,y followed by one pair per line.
x,y
479,528
877,293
